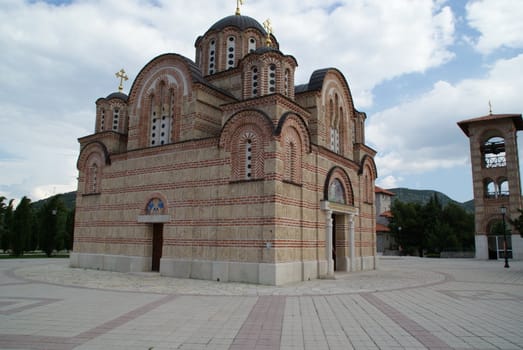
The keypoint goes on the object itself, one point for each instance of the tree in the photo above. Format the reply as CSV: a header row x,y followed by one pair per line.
x,y
7,225
69,236
52,217
431,227
517,222
22,226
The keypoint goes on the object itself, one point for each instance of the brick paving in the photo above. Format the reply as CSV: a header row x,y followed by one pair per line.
x,y
409,303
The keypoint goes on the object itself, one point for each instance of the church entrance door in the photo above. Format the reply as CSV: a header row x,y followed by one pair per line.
x,y
334,241
157,246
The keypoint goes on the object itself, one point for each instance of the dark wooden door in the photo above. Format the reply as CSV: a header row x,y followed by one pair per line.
x,y
334,240
157,246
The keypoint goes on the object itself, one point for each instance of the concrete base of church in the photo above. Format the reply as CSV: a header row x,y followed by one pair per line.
x,y
517,247
231,271
118,263
481,243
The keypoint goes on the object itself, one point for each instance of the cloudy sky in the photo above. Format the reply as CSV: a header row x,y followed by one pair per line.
x,y
416,67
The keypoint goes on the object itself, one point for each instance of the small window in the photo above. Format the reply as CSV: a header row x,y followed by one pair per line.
x,y
254,82
272,78
252,44
248,159
212,56
231,48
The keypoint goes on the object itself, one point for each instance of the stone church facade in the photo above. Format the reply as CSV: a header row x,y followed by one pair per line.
x,y
224,169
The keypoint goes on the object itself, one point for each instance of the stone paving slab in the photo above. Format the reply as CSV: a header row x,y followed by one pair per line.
x,y
410,303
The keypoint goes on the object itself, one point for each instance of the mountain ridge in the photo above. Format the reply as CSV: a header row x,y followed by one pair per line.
x,y
408,195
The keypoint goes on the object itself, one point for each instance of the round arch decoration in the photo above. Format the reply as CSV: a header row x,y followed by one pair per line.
x,y
95,147
338,177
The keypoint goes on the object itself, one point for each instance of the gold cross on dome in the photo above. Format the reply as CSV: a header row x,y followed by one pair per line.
x,y
268,28
122,76
238,4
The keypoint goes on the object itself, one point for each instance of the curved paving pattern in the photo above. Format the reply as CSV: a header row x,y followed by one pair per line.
x,y
410,303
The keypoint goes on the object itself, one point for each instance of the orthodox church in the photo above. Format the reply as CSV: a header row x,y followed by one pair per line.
x,y
223,169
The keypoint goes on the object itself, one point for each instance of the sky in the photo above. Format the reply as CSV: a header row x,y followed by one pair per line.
x,y
415,67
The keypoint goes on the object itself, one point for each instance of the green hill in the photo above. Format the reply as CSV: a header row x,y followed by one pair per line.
x,y
69,199
408,195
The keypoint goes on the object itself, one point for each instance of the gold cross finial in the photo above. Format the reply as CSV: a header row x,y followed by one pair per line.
x,y
238,4
122,76
490,107
268,28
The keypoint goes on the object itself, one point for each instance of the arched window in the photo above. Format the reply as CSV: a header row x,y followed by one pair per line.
x,y
248,158
286,79
490,189
493,152
252,44
102,119
503,188
271,78
254,81
93,174
93,178
231,51
116,118
334,129
162,113
212,56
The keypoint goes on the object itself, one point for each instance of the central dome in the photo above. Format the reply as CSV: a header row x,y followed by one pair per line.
x,y
238,21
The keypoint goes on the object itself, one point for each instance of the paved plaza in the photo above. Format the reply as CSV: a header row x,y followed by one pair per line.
x,y
409,303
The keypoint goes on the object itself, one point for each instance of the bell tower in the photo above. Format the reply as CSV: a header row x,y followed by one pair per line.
x,y
496,182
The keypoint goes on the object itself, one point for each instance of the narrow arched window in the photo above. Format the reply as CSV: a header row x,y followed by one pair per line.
x,y
503,188
490,189
248,159
102,119
93,178
286,82
254,81
116,118
162,115
212,56
271,75
231,51
252,44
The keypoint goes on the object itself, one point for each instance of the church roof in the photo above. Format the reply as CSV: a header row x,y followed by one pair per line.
x,y
315,81
238,21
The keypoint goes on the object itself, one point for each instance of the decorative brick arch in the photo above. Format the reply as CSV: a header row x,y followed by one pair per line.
x,y
337,173
292,120
91,163
245,136
93,147
368,173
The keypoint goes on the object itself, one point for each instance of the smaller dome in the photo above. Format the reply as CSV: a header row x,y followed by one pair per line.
x,y
238,21
265,49
119,95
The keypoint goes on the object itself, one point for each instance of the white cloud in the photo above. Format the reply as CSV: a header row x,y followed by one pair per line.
x,y
370,41
57,60
499,23
389,181
421,135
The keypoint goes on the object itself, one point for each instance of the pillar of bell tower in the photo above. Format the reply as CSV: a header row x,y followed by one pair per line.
x,y
496,183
